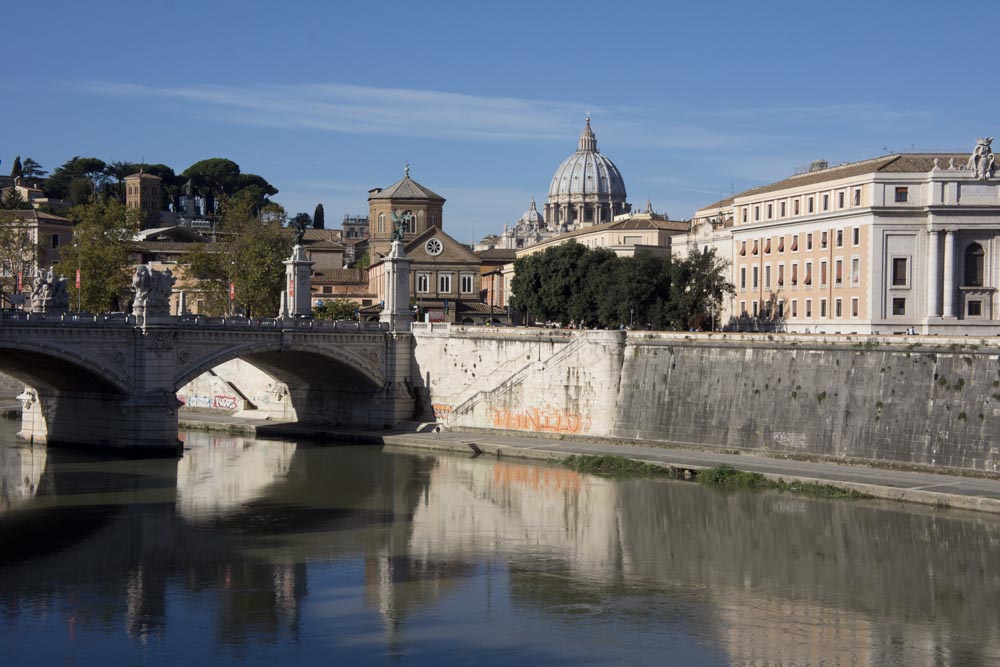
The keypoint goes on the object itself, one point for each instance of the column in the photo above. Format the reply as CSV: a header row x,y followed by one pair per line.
x,y
934,274
949,273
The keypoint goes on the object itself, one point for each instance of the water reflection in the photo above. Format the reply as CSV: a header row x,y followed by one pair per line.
x,y
258,551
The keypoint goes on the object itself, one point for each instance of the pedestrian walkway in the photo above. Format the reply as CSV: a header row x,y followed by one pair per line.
x,y
938,489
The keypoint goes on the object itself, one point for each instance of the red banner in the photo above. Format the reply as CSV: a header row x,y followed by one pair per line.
x,y
232,291
18,281
291,288
78,278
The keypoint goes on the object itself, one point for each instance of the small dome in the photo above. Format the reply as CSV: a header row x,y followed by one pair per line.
x,y
531,217
587,172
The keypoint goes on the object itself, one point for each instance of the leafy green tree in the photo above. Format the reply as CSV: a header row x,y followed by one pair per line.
x,y
335,309
319,217
249,255
31,169
16,169
65,180
699,286
118,171
217,178
102,241
12,200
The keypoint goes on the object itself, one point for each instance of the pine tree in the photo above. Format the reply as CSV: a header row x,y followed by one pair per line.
x,y
318,218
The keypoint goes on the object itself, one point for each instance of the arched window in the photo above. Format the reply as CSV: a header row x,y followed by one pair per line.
x,y
975,261
381,223
411,222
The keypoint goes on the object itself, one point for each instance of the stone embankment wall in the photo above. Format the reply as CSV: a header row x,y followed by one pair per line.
x,y
893,399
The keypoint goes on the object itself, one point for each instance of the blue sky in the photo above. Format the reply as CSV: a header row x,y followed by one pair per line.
x,y
329,99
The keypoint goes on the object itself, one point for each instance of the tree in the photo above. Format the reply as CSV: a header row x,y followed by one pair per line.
x,y
102,240
335,309
302,218
18,254
249,255
65,180
698,287
12,200
31,169
16,170
118,171
319,218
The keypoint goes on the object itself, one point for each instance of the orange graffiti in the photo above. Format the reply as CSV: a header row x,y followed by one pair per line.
x,y
441,411
537,479
539,420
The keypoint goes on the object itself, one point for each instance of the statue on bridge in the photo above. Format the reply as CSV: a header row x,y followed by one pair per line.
x,y
50,294
152,291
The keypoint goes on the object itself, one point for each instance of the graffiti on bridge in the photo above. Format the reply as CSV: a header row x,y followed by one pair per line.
x,y
539,420
441,411
217,402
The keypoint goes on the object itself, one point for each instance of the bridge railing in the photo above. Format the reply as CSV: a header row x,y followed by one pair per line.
x,y
18,317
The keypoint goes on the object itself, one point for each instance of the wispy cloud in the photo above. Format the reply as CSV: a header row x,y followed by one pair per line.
x,y
366,109
850,113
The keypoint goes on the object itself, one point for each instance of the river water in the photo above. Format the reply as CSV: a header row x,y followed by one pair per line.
x,y
274,553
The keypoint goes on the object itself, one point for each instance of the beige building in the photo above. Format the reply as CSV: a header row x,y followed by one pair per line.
x,y
144,191
890,244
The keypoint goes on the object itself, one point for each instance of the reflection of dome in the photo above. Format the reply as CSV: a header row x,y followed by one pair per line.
x,y
531,217
586,189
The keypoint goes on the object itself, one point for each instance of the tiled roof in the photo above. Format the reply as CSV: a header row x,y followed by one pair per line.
x,y
324,245
406,189
479,308
495,254
344,276
30,214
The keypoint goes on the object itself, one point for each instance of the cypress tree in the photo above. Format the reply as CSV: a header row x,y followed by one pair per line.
x,y
15,171
318,220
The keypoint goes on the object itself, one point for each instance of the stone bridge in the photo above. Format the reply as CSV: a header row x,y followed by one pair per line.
x,y
102,380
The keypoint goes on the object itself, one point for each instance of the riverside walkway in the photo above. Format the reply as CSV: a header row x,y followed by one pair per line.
x,y
917,486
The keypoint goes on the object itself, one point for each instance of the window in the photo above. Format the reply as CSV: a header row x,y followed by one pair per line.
x,y
55,241
423,283
809,307
974,265
826,202
809,241
822,273
838,272
902,195
795,207
822,307
755,309
411,222
840,238
854,307
781,308
781,244
795,243
770,211
840,200
795,307
855,270
781,275
975,308
899,306
744,214
743,277
809,205
743,307
782,209
856,236
381,223
444,283
767,276
808,280
838,308
756,213
900,273
822,240
743,248
857,197
795,274
755,277
467,283
756,248
767,246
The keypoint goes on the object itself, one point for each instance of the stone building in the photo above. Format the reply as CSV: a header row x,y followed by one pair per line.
x,y
144,191
890,244
587,189
419,207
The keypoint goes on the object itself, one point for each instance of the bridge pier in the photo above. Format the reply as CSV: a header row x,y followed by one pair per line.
x,y
146,423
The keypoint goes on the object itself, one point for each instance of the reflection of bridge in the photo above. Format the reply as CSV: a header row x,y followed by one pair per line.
x,y
102,380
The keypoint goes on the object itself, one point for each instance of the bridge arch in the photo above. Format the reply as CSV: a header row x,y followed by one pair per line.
x,y
45,367
298,361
